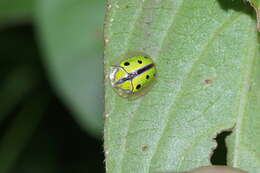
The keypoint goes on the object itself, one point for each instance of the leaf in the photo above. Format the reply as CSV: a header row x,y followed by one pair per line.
x,y
71,35
244,143
16,10
256,5
207,56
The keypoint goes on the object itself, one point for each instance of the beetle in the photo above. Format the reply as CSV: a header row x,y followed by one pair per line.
x,y
133,75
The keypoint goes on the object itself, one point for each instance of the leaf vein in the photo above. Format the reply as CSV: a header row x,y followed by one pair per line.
x,y
243,99
213,37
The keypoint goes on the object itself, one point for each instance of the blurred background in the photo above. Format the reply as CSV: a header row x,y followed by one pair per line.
x,y
51,88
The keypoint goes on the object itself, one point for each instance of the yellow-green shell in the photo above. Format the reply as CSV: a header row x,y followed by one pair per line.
x,y
142,68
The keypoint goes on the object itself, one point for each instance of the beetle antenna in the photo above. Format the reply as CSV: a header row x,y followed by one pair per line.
x,y
121,68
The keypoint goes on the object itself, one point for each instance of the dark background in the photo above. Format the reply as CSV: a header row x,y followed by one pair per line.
x,y
51,86
57,143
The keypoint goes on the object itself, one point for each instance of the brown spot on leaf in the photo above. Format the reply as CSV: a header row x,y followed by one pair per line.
x,y
208,81
145,148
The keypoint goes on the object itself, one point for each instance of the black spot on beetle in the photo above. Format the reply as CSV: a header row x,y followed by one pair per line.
x,y
126,63
147,76
138,86
140,62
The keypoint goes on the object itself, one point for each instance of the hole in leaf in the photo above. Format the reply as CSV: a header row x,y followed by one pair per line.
x,y
219,156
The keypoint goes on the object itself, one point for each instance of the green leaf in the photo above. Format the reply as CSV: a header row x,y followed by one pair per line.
x,y
256,5
12,11
71,35
244,143
207,56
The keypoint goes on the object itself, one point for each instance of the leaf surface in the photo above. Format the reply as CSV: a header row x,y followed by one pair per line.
x,y
15,10
207,56
71,33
